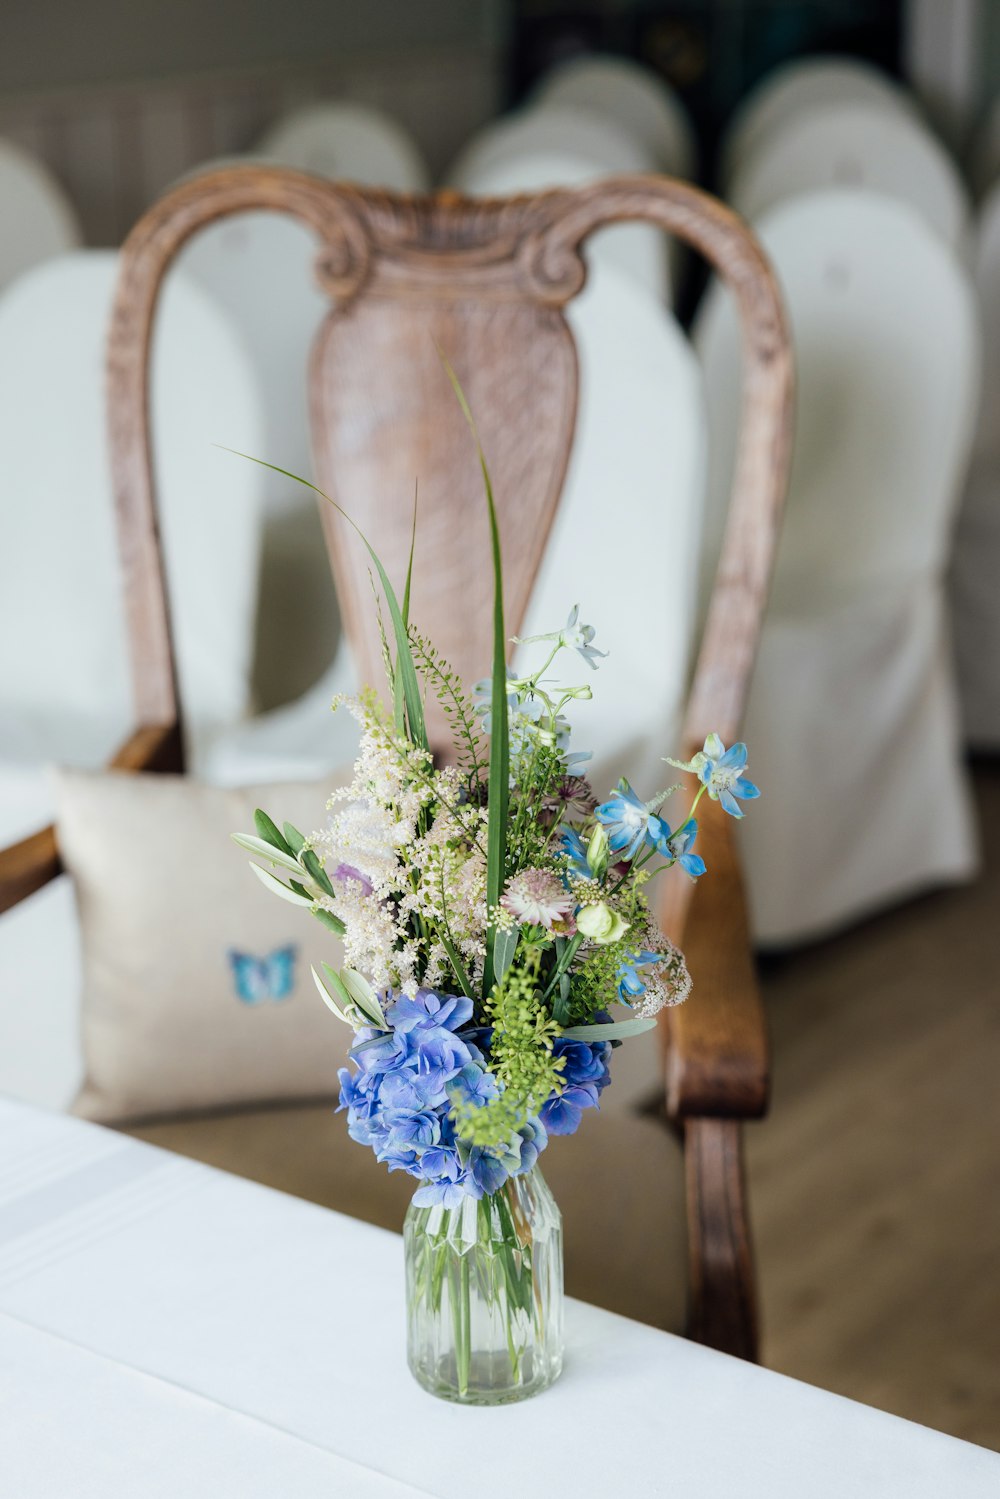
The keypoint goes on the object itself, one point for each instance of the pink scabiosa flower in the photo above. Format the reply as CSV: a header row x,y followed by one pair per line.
x,y
537,897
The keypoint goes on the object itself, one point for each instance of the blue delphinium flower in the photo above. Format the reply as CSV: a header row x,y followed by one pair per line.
x,y
677,847
721,771
483,693
629,822
574,636
574,851
630,985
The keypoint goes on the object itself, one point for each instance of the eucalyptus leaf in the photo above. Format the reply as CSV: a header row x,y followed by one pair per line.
x,y
266,850
616,1030
278,887
311,864
328,919
296,841
270,832
504,948
327,999
363,996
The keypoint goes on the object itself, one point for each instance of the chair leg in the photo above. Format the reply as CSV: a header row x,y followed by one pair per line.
x,y
722,1309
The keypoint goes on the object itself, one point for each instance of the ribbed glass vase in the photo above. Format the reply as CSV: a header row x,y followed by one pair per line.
x,y
484,1289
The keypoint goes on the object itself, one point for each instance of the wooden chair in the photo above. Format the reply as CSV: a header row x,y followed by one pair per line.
x,y
487,281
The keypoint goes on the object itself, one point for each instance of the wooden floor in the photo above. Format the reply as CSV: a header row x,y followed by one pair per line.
x,y
875,1181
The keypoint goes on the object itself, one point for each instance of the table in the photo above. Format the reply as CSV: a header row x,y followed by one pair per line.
x,y
166,1329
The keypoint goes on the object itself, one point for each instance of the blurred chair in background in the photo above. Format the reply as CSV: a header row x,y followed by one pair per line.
x,y
773,107
346,142
559,146
64,681
632,97
37,217
500,275
852,713
854,145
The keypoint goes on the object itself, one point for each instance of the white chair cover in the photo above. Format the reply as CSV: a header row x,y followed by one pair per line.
x,y
561,147
855,145
65,692
349,142
975,573
852,723
36,218
631,96
805,84
66,688
983,157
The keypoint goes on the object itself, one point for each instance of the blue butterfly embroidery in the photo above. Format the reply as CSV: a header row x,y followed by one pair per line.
x,y
260,979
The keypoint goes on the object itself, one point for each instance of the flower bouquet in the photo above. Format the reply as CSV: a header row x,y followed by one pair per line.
x,y
493,913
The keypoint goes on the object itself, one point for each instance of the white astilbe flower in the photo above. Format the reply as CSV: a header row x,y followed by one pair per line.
x,y
405,850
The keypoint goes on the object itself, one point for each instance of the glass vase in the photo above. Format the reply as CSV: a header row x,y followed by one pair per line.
x,y
484,1291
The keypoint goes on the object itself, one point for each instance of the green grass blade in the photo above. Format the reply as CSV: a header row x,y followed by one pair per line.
x,y
404,658
499,776
398,703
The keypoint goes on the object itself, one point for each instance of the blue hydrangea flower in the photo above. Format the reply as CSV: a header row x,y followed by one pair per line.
x,y
721,771
533,1141
629,822
474,1085
405,1082
677,847
585,1075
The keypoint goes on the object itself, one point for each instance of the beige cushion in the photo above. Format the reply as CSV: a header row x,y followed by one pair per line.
x,y
197,991
618,1182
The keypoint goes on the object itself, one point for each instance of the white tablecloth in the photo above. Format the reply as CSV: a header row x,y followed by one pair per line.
x,y
167,1329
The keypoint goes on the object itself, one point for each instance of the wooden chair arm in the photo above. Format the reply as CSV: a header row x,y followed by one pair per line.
x,y
29,865
717,1062
26,866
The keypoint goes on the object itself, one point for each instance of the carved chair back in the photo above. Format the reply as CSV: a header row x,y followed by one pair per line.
x,y
484,282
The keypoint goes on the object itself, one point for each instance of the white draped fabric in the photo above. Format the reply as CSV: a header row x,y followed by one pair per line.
x,y
852,724
975,571
166,1329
